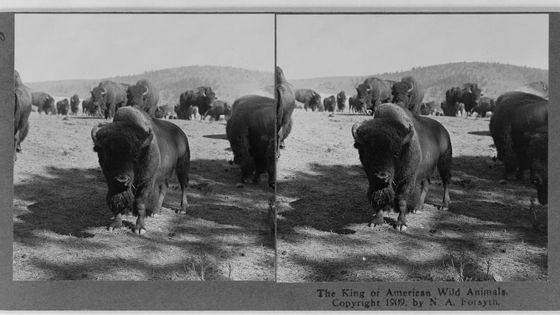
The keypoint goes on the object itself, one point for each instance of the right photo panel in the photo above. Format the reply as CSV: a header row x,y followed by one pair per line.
x,y
417,149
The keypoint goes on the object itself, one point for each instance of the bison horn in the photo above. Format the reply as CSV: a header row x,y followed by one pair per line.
x,y
355,128
104,92
409,134
411,88
145,92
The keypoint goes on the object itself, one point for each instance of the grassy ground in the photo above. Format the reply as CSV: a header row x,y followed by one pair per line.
x,y
60,215
489,232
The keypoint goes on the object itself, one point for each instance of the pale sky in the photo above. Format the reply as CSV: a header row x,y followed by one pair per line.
x,y
93,46
312,46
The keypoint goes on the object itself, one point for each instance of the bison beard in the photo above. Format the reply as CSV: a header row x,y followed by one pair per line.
x,y
382,197
121,202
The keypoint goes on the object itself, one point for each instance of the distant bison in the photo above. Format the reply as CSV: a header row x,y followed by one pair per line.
x,y
286,103
164,111
399,152
340,101
63,107
409,94
537,150
354,105
138,155
252,136
219,108
517,116
44,102
431,108
22,110
144,95
485,105
74,104
89,109
309,98
201,97
373,92
329,103
469,94
107,97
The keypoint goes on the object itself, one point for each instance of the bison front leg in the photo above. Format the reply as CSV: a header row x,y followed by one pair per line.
x,y
117,222
401,205
378,218
140,210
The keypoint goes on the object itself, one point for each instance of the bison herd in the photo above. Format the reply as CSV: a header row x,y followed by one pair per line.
x,y
399,148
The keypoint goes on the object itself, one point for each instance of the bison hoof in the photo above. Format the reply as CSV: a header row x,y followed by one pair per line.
x,y
443,208
402,227
139,230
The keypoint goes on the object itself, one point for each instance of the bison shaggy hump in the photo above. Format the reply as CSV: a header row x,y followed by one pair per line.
x,y
251,134
399,153
138,155
516,117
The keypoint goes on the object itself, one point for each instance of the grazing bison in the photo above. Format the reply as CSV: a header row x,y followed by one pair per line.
x,y
431,108
340,101
537,150
252,136
516,115
74,104
202,97
22,110
399,152
469,94
219,108
107,97
309,98
409,94
163,111
329,103
138,155
44,102
144,95
286,103
63,107
374,91
484,106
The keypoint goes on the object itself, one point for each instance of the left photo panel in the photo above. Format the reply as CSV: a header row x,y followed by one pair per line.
x,y
144,147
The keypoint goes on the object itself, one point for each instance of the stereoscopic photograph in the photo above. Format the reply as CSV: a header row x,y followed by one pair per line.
x,y
417,149
129,160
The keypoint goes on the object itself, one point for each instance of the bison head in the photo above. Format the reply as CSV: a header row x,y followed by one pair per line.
x,y
473,93
364,91
120,146
137,95
538,162
381,145
401,93
98,97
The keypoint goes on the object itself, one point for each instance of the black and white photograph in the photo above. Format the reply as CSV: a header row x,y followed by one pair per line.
x,y
129,163
418,148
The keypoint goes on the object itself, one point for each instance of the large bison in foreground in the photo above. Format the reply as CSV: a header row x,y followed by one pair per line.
x,y
286,103
409,94
374,91
469,95
252,135
309,98
22,110
144,95
44,102
518,117
107,97
399,153
201,98
138,155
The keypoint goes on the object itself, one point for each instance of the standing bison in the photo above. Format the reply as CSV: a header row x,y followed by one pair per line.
x,y
107,97
373,92
409,94
354,105
329,103
517,117
219,108
399,152
22,110
63,107
286,103
340,101
309,98
138,156
202,97
484,106
252,136
44,102
74,104
144,95
469,94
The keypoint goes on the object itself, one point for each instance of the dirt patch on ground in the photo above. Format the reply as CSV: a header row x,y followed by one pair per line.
x,y
490,232
60,215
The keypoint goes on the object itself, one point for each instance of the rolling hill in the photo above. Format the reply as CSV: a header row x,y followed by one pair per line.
x,y
493,78
229,83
